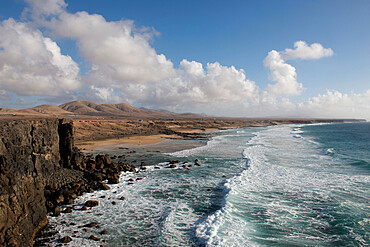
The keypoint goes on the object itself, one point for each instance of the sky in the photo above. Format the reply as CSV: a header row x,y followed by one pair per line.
x,y
237,58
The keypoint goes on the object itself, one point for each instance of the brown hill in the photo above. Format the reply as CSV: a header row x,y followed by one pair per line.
x,y
42,110
84,108
50,110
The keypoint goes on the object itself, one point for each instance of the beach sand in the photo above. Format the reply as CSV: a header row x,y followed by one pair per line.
x,y
87,146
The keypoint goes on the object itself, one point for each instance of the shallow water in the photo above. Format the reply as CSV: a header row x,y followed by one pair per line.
x,y
281,185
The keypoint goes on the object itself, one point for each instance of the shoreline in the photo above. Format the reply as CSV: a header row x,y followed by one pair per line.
x,y
142,142
88,146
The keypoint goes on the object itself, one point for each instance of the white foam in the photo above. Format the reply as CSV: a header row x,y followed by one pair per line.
x,y
215,141
285,182
330,151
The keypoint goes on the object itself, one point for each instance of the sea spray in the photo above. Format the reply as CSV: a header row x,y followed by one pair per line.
x,y
254,187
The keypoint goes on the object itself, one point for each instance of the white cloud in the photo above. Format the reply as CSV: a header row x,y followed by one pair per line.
x,y
124,67
304,51
118,52
31,64
43,8
283,74
122,60
337,104
103,94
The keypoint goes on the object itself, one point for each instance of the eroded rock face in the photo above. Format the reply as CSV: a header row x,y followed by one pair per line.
x,y
40,170
30,156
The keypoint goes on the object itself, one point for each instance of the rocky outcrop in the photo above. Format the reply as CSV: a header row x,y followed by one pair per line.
x,y
29,152
40,169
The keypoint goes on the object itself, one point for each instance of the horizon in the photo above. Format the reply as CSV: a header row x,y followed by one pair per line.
x,y
241,59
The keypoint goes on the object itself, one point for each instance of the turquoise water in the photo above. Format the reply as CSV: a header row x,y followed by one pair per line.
x,y
286,185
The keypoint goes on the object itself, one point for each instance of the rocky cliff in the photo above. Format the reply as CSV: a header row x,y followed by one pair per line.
x,y
40,169
30,152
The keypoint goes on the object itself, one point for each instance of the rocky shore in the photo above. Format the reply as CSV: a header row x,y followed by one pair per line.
x,y
40,170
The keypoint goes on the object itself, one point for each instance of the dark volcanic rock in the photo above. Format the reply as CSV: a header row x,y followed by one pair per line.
x,y
103,186
67,210
29,154
40,170
174,161
102,161
92,237
91,203
66,239
92,224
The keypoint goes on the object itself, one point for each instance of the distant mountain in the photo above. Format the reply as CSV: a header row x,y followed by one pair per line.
x,y
85,108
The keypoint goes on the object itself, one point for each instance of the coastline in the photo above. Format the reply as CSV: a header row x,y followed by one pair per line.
x,y
133,147
88,146
67,173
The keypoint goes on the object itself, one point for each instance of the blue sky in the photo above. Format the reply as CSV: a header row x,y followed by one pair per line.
x,y
236,33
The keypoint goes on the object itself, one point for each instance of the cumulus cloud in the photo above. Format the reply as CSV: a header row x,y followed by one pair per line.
x,y
117,51
31,64
283,74
123,61
124,67
217,82
102,94
190,89
303,51
337,104
39,9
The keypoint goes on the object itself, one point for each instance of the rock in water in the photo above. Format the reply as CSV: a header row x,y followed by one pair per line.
x,y
91,203
56,211
92,224
94,238
103,186
66,239
67,210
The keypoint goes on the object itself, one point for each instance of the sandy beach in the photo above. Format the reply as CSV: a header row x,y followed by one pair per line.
x,y
87,146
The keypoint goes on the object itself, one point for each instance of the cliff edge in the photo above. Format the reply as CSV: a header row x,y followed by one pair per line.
x,y
30,153
41,169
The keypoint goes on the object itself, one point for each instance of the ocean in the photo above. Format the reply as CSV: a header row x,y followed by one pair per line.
x,y
286,185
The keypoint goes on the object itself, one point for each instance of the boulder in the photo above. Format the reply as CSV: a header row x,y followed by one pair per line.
x,y
103,186
92,237
92,224
56,211
174,162
66,239
67,210
91,203
102,161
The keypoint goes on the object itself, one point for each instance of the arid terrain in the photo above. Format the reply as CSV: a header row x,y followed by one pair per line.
x,y
111,124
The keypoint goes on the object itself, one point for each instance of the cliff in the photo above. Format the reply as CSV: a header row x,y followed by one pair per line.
x,y
40,169
30,152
